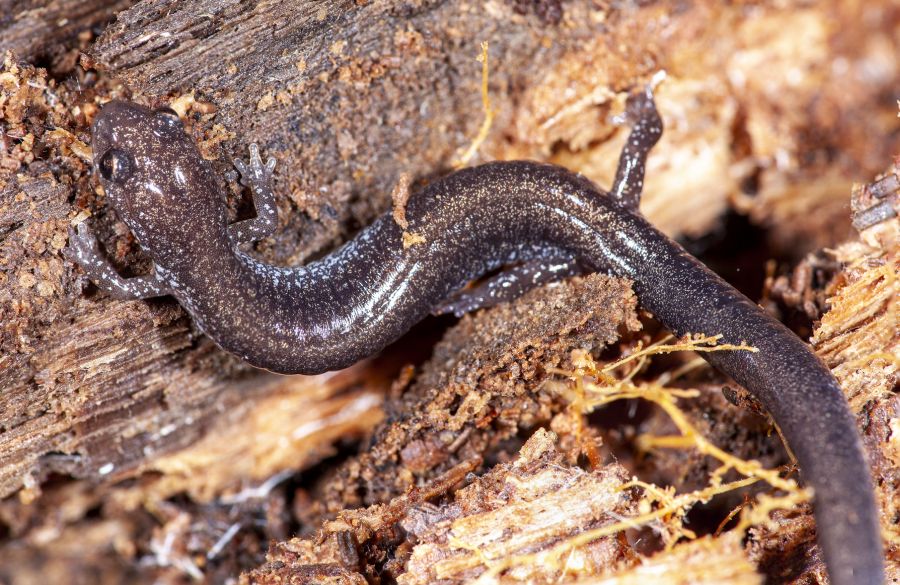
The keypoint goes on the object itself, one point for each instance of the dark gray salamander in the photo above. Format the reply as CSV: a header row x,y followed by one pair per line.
x,y
332,312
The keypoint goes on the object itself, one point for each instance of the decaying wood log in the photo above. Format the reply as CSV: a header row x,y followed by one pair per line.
x,y
516,508
132,449
44,30
386,67
505,519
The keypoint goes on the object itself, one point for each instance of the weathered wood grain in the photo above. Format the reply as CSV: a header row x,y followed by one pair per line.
x,y
42,28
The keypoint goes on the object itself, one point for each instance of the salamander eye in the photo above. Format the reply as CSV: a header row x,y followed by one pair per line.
x,y
116,165
169,115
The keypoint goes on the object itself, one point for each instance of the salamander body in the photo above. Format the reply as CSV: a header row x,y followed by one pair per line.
x,y
350,304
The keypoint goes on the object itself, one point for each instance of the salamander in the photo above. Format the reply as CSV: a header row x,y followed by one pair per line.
x,y
545,219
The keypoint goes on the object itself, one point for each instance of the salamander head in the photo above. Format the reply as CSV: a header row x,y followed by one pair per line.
x,y
155,178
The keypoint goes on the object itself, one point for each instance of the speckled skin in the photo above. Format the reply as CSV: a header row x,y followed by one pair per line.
x,y
332,312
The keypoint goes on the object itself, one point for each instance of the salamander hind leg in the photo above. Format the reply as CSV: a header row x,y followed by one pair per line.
x,y
84,251
258,177
646,129
507,286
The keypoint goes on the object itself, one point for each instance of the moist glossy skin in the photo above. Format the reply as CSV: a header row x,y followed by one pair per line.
x,y
332,312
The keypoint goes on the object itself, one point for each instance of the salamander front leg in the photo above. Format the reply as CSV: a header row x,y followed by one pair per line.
x,y
258,177
647,127
84,251
507,286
